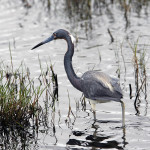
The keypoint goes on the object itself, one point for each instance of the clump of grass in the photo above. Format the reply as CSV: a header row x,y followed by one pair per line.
x,y
140,74
19,97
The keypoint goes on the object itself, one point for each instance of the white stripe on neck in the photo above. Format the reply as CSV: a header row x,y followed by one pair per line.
x,y
72,38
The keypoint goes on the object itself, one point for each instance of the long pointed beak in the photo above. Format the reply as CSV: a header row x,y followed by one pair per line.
x,y
46,41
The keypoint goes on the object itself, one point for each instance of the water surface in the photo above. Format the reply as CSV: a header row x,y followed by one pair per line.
x,y
24,24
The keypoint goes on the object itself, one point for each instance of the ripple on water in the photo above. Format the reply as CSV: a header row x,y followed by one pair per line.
x,y
73,127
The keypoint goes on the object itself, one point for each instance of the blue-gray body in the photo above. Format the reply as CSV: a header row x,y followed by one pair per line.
x,y
99,86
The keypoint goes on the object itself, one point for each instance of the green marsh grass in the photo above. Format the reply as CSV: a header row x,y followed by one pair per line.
x,y
19,97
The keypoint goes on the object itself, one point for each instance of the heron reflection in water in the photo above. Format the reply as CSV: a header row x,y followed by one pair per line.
x,y
96,86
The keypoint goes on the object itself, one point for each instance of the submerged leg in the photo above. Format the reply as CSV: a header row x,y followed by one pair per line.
x,y
93,109
123,113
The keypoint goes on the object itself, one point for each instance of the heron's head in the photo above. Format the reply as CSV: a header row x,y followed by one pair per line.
x,y
59,34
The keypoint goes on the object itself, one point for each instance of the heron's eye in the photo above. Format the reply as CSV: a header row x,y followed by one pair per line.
x,y
54,34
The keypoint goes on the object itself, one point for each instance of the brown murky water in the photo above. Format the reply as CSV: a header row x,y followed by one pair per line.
x,y
24,24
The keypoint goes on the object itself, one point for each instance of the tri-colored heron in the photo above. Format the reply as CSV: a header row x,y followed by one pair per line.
x,y
96,86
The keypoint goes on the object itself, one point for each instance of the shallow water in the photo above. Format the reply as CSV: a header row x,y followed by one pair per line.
x,y
24,24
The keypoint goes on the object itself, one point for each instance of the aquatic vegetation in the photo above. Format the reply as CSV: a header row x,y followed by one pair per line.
x,y
50,127
139,62
19,96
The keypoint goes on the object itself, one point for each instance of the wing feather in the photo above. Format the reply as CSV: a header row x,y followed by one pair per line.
x,y
97,85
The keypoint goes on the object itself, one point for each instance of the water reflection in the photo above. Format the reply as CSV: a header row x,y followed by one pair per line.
x,y
80,14
87,15
89,21
96,140
84,12
18,137
13,138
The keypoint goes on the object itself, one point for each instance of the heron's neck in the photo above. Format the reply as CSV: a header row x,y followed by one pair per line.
x,y
73,78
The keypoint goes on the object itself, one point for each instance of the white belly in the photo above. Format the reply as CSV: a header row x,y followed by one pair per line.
x,y
98,101
94,102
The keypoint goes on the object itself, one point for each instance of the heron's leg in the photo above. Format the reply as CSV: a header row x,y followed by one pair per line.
x,y
123,113
93,109
94,113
